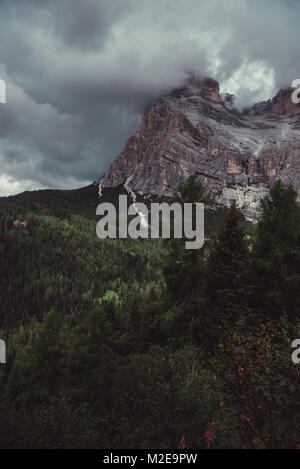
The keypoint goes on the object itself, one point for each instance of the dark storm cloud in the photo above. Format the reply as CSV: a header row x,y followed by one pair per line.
x,y
83,24
80,73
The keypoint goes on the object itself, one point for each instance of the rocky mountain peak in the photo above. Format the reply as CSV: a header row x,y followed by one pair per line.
x,y
206,88
194,131
283,103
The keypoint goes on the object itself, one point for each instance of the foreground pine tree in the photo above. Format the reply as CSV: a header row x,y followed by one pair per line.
x,y
277,252
184,268
228,268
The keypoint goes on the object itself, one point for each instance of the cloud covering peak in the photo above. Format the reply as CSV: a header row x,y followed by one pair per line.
x,y
80,74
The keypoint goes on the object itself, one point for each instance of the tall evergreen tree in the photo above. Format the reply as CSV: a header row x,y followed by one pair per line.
x,y
228,268
277,252
184,269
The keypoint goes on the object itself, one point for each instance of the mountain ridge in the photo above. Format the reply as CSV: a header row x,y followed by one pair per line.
x,y
196,131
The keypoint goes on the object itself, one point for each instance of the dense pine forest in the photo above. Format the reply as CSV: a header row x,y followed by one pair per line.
x,y
143,343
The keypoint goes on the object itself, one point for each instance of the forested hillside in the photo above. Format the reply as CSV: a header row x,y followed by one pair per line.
x,y
139,343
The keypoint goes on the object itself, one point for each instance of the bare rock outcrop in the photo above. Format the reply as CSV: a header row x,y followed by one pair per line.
x,y
195,131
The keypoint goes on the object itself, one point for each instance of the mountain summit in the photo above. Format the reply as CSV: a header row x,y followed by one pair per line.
x,y
195,131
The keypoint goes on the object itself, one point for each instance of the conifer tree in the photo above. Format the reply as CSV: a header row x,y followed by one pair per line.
x,y
228,268
277,252
184,269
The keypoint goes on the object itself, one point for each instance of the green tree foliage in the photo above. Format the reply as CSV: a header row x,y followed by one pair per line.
x,y
228,269
277,252
134,343
184,267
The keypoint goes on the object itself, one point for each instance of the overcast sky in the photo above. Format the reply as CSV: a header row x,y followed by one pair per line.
x,y
80,73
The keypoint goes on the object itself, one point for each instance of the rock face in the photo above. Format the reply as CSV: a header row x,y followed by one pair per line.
x,y
283,103
193,131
